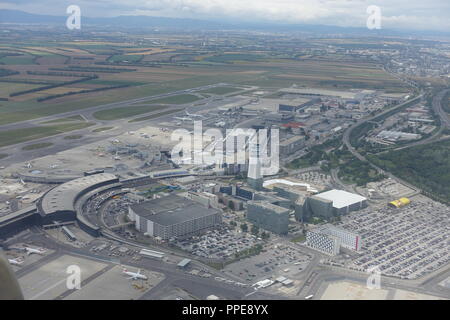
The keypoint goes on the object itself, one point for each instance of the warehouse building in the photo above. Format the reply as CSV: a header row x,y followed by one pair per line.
x,y
291,145
268,216
173,217
330,204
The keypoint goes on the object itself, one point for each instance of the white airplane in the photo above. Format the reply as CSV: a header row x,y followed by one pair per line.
x,y
16,262
29,250
183,119
194,115
29,165
134,275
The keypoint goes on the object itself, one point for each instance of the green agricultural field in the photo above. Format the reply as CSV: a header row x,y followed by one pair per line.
x,y
231,58
9,137
18,60
125,58
37,146
6,88
125,112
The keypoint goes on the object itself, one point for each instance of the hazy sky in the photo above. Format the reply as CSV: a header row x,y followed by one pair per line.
x,y
404,14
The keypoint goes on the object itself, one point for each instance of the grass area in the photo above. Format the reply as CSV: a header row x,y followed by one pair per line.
x,y
298,239
18,60
125,112
6,88
37,146
180,99
9,137
232,58
102,129
220,90
73,137
3,155
125,58
68,119
156,115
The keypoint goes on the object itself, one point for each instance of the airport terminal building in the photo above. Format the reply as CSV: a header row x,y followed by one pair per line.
x,y
173,217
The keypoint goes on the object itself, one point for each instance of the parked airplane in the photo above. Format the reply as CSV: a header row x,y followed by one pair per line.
x,y
29,250
16,261
183,119
194,115
134,275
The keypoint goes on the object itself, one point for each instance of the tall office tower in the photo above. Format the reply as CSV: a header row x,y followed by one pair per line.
x,y
254,177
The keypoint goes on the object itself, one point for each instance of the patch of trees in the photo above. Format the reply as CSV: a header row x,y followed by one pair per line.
x,y
7,72
18,93
82,91
59,74
359,172
426,166
93,69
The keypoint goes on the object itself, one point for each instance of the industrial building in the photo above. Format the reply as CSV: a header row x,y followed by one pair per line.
x,y
323,242
291,145
268,216
397,136
330,204
173,217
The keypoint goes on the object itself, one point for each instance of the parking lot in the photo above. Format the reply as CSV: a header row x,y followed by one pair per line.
x,y
408,242
277,260
219,244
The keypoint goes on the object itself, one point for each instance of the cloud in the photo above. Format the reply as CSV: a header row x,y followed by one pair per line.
x,y
406,14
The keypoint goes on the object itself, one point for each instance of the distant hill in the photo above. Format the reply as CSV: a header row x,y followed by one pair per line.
x,y
16,16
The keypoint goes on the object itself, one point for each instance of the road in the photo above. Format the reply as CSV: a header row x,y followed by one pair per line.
x,y
346,140
437,108
444,118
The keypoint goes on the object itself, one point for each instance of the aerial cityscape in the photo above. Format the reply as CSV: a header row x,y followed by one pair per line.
x,y
187,156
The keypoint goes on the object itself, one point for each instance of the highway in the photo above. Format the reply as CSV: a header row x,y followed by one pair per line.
x,y
437,108
444,118
346,140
